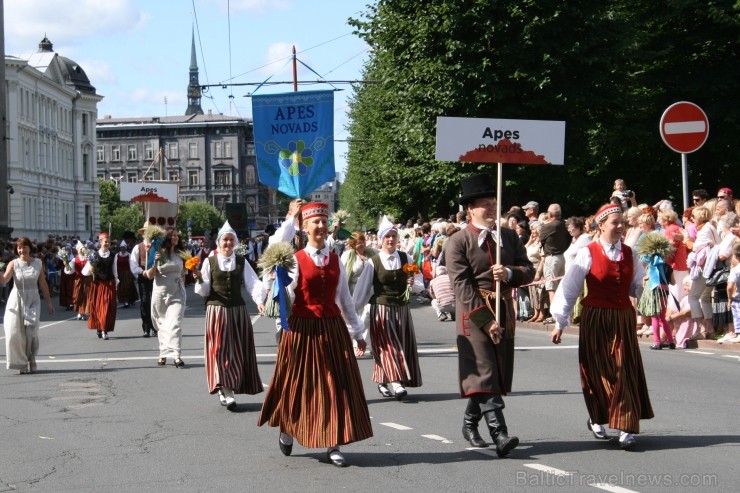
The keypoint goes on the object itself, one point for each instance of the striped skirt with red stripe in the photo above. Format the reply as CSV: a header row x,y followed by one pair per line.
x,y
231,360
101,299
612,375
80,293
394,345
316,394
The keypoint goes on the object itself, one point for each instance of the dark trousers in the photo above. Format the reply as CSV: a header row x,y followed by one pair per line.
x,y
145,295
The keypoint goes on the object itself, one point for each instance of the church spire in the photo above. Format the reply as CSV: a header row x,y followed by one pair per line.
x,y
194,107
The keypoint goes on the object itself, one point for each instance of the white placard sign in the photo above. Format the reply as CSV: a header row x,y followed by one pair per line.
x,y
486,140
150,191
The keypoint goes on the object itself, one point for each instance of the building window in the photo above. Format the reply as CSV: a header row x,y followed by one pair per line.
x,y
84,124
133,177
193,150
250,149
174,175
101,176
100,151
148,152
132,152
149,176
227,149
223,178
220,201
193,178
172,150
85,167
218,150
115,153
250,178
88,218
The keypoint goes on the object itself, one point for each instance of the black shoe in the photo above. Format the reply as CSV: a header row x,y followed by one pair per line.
x,y
656,346
672,345
100,334
286,449
472,436
442,317
162,361
505,444
383,389
600,435
146,333
335,457
452,317
179,363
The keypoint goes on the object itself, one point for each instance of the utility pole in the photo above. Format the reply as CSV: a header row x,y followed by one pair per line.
x,y
5,230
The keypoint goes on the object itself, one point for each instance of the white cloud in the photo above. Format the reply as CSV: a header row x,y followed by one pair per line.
x,y
65,21
277,59
99,72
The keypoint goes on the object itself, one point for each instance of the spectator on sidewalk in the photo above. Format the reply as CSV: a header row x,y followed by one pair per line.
x,y
443,298
555,241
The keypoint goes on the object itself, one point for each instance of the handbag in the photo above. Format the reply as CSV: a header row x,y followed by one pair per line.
x,y
719,276
426,270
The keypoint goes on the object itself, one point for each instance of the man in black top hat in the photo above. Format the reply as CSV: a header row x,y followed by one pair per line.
x,y
485,347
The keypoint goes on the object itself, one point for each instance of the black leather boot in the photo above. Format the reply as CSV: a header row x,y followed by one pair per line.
x,y
470,426
497,426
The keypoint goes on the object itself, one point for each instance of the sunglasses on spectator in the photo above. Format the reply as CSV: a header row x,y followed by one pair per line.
x,y
696,199
721,196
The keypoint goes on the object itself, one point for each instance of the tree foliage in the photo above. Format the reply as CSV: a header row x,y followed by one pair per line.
x,y
204,217
608,69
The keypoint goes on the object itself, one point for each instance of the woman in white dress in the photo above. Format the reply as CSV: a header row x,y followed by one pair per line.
x,y
168,297
23,308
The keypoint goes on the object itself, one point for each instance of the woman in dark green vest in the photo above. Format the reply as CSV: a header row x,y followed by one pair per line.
x,y
385,284
231,359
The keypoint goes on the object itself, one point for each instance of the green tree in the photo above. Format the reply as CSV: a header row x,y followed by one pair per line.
x,y
126,218
204,217
597,66
110,201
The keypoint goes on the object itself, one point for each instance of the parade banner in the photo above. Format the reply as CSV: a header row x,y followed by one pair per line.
x,y
160,200
294,140
484,140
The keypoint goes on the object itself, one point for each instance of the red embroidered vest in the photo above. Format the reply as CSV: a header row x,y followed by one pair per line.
x,y
316,291
609,282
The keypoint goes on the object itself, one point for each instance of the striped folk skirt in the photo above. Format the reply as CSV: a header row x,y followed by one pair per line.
x,y
101,299
316,394
394,345
80,293
231,360
612,375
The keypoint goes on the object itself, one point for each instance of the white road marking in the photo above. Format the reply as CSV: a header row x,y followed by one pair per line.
x,y
611,487
437,438
731,356
693,351
396,426
548,469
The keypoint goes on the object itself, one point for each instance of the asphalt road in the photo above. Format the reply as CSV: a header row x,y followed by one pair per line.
x,y
102,416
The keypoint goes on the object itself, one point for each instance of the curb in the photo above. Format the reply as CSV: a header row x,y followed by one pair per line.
x,y
573,329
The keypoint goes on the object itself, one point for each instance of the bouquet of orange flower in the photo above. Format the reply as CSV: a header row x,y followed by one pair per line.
x,y
410,270
189,261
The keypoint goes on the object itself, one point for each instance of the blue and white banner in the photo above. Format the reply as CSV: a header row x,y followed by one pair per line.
x,y
294,140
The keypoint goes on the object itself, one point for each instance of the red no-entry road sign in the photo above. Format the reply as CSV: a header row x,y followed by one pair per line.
x,y
684,127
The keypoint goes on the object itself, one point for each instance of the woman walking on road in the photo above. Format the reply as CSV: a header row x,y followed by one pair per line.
x,y
168,296
316,394
612,375
102,294
231,358
385,285
23,307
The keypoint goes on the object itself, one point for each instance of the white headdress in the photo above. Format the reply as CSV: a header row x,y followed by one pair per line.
x,y
384,227
226,228
122,244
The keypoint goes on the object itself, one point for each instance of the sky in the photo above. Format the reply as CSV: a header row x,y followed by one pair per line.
x,y
137,52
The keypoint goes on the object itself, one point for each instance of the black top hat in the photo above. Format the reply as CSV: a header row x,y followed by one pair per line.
x,y
476,187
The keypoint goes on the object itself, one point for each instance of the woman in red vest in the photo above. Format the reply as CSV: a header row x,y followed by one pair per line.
x,y
612,375
316,394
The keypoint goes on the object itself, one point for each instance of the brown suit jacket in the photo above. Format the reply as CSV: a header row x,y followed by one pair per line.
x,y
484,367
